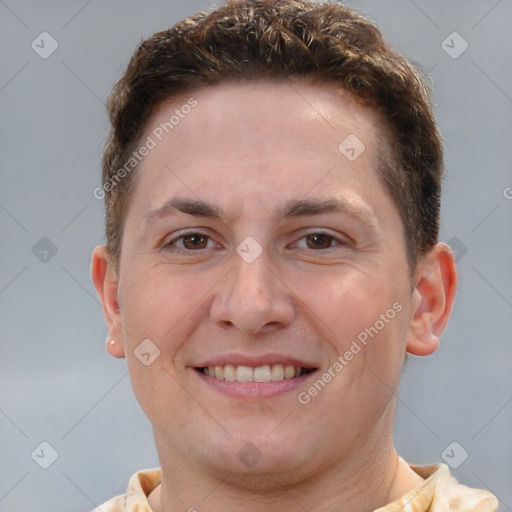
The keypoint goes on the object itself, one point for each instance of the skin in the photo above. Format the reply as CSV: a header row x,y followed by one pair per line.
x,y
249,148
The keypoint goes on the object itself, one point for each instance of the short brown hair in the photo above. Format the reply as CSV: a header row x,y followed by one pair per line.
x,y
278,40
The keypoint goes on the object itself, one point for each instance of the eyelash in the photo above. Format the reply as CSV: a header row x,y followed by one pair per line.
x,y
169,245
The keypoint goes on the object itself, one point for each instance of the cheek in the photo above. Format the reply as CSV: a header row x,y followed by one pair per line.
x,y
161,306
349,304
160,301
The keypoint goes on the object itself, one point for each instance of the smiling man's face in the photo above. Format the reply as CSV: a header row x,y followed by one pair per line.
x,y
252,241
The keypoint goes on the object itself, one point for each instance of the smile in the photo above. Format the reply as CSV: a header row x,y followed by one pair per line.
x,y
265,373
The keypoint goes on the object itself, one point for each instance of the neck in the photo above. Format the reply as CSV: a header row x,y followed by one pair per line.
x,y
369,481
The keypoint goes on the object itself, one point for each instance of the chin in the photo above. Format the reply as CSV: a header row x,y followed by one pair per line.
x,y
252,457
262,474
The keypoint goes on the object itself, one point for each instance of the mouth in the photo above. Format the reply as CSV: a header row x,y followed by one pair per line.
x,y
254,376
261,374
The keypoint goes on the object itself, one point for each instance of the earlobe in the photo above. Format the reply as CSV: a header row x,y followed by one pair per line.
x,y
433,295
115,348
106,283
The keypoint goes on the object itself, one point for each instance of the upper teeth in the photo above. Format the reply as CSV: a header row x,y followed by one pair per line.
x,y
264,373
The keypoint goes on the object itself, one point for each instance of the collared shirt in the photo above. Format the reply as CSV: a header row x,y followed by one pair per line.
x,y
439,492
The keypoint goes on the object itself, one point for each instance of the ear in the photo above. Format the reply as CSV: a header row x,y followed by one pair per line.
x,y
433,295
106,282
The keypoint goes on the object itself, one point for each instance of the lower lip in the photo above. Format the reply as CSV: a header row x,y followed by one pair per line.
x,y
254,389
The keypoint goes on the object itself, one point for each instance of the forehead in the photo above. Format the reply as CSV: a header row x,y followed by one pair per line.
x,y
258,139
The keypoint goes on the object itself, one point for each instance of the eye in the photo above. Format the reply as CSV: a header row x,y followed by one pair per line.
x,y
194,241
190,241
319,241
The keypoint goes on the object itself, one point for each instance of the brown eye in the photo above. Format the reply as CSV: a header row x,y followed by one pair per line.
x,y
319,241
194,241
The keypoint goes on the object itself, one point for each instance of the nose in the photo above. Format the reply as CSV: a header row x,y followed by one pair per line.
x,y
252,298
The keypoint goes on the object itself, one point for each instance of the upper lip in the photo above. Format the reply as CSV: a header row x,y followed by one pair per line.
x,y
255,360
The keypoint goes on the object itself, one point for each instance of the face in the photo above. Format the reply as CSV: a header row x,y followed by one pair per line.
x,y
266,263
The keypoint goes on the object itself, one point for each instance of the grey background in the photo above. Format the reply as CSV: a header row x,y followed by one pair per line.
x,y
58,385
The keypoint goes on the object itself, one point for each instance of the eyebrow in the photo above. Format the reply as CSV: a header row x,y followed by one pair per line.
x,y
293,208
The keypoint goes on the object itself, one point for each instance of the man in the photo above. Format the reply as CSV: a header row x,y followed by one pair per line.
x,y
272,184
